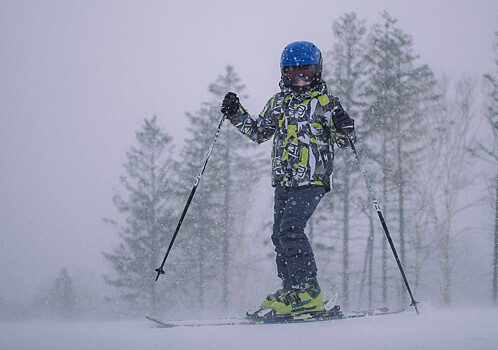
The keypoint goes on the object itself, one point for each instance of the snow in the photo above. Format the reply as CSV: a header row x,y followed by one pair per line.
x,y
470,328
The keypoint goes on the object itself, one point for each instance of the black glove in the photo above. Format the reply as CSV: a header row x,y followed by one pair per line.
x,y
230,104
342,121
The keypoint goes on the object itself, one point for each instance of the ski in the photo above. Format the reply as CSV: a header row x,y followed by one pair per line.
x,y
265,316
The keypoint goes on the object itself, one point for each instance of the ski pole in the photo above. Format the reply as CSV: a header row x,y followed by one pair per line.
x,y
160,270
382,221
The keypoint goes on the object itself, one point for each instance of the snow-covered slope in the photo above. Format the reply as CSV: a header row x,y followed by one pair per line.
x,y
432,329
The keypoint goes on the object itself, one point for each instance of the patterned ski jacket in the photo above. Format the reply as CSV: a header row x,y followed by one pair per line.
x,y
303,135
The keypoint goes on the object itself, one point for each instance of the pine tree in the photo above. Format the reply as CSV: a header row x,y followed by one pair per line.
x,y
426,177
147,205
218,217
62,298
199,237
492,117
344,80
393,95
489,153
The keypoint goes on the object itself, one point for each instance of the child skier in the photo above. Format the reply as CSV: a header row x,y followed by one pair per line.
x,y
305,122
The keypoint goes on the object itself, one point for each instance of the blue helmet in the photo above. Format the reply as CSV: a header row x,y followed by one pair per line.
x,y
299,54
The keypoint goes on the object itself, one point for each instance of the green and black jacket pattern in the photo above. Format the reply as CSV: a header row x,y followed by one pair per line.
x,y
303,135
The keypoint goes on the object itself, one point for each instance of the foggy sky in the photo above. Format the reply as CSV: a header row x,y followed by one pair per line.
x,y
77,78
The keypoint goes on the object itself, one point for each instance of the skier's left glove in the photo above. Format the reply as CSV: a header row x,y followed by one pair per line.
x,y
342,121
230,104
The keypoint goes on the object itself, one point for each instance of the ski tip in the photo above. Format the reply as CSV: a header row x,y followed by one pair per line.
x,y
160,323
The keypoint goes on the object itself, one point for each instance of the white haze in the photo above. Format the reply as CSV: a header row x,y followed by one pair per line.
x,y
78,77
460,329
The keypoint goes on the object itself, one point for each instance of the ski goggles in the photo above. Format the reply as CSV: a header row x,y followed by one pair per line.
x,y
298,73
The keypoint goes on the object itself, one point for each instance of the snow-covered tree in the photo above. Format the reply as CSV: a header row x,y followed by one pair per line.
x,y
217,221
344,74
492,117
62,298
393,93
445,172
147,204
487,150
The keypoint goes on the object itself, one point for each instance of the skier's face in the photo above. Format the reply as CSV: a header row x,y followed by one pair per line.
x,y
301,75
302,83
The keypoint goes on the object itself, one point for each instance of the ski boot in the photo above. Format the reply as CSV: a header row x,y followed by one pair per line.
x,y
303,298
265,306
271,298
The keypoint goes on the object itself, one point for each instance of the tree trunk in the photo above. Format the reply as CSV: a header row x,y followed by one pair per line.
x,y
201,275
445,249
367,264
495,253
345,227
401,209
371,241
447,267
384,240
226,225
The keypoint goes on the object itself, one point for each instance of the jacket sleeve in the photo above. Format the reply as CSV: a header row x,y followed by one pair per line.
x,y
259,130
338,138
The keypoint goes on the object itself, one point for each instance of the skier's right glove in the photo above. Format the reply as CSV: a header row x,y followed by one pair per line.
x,y
230,104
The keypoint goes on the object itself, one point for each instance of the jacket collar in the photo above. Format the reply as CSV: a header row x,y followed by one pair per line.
x,y
314,91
